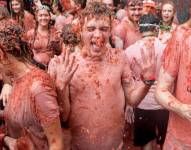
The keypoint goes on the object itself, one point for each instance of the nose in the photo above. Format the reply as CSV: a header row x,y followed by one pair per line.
x,y
97,33
137,12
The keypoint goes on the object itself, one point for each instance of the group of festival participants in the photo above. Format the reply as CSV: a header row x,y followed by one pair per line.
x,y
90,70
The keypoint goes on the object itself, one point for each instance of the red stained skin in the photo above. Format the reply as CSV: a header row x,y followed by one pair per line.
x,y
177,61
97,111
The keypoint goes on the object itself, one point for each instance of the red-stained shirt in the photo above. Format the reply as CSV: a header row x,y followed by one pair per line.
x,y
134,51
31,107
164,36
97,101
28,21
177,63
39,45
62,20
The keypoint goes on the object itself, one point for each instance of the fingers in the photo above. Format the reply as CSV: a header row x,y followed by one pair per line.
x,y
136,62
71,63
74,69
67,59
143,56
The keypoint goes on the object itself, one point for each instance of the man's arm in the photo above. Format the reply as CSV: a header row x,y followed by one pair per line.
x,y
135,92
167,100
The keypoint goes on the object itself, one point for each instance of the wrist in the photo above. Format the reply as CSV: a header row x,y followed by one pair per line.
x,y
149,82
60,85
147,78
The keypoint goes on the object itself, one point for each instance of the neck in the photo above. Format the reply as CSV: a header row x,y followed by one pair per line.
x,y
148,34
188,23
43,28
19,69
169,23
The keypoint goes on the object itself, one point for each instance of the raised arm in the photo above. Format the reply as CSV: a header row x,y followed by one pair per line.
x,y
134,90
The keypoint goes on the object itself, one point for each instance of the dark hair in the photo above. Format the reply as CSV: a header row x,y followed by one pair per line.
x,y
148,22
11,42
69,36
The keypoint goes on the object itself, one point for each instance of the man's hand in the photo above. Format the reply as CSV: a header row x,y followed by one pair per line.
x,y
11,143
185,111
5,93
147,64
65,69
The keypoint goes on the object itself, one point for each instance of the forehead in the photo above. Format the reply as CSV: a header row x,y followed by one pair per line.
x,y
135,7
97,21
167,6
108,1
15,2
42,11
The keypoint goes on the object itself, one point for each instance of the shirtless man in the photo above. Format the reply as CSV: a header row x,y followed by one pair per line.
x,y
127,31
176,72
100,85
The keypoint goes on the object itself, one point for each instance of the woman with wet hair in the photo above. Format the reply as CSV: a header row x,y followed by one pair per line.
x,y
167,26
21,16
43,40
32,113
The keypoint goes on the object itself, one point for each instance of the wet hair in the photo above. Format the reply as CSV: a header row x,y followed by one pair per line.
x,y
134,2
4,12
69,36
52,45
47,8
11,42
96,9
169,2
148,22
20,15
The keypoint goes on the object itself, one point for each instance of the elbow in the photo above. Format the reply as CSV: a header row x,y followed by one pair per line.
x,y
59,145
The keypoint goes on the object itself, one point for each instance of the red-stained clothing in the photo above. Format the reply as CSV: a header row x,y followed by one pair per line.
x,y
31,107
28,21
134,51
39,45
177,63
164,35
127,31
62,20
97,101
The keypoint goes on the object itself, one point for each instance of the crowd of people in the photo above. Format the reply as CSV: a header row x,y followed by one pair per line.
x,y
105,71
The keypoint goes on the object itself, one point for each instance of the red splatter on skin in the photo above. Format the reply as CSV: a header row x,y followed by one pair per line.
x,y
93,107
177,58
53,141
23,144
171,103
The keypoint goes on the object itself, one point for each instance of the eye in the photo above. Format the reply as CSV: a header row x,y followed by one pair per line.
x,y
90,29
104,29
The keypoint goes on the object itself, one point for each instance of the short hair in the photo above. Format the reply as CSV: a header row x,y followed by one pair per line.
x,y
96,9
11,42
134,2
69,36
148,22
